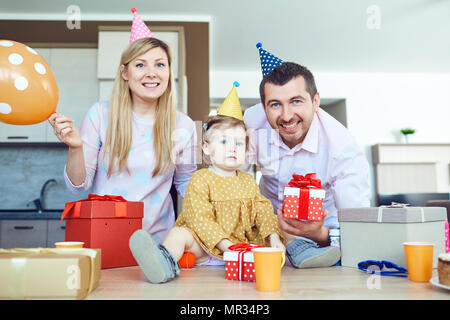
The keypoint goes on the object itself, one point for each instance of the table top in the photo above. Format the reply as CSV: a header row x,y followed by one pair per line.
x,y
209,283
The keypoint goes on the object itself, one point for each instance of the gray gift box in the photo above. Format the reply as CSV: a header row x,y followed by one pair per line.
x,y
378,233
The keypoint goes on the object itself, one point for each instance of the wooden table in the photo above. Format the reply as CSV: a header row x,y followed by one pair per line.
x,y
209,283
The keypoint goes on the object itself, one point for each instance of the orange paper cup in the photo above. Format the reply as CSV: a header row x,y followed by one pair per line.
x,y
419,258
268,264
69,244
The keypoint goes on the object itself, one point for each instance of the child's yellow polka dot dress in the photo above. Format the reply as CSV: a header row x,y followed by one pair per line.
x,y
216,208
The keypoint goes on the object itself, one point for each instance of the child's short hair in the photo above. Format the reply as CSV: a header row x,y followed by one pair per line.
x,y
219,121
216,122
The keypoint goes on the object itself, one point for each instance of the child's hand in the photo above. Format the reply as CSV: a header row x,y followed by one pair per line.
x,y
224,244
275,242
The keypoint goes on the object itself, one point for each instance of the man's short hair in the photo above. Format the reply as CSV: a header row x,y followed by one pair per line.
x,y
284,73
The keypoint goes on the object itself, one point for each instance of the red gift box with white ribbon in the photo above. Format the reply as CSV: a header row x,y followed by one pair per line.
x,y
303,198
239,263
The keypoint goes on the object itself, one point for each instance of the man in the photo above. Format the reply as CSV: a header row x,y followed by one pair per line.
x,y
290,134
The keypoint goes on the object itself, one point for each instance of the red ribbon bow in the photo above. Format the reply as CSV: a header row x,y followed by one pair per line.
x,y
307,181
106,197
242,248
120,212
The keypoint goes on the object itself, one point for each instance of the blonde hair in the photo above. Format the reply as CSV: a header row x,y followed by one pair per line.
x,y
119,132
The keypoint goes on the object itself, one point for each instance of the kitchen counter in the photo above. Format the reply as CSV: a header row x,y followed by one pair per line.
x,y
24,214
209,283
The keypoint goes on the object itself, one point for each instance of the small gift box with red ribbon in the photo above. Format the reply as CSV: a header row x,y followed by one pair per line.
x,y
239,263
107,223
303,198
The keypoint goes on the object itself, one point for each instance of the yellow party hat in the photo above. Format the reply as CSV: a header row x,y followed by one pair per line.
x,y
231,106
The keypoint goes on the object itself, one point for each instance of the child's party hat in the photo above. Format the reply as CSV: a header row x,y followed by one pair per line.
x,y
231,106
138,29
268,60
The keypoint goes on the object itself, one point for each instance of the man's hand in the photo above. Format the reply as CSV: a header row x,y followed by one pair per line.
x,y
310,229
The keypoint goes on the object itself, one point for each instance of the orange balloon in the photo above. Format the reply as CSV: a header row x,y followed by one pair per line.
x,y
187,260
28,90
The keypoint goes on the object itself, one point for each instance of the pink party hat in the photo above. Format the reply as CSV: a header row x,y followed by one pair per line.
x,y
138,29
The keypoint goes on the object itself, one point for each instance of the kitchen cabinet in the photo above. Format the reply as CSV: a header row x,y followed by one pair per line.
x,y
23,233
56,231
28,233
411,168
75,74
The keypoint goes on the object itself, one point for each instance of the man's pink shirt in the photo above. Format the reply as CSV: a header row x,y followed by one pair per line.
x,y
329,150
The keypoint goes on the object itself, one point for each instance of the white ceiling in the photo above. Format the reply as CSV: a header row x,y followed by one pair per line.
x,y
325,35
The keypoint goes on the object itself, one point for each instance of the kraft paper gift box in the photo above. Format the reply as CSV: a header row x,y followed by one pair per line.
x,y
48,273
105,222
239,263
378,233
303,198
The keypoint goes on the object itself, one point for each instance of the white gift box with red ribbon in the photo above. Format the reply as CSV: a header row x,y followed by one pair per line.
x,y
239,263
313,210
303,198
236,269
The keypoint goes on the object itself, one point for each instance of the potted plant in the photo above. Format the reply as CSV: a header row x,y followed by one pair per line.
x,y
406,132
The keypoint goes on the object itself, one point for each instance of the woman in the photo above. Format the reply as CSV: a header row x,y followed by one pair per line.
x,y
137,144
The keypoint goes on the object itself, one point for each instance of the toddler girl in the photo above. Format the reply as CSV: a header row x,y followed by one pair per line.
x,y
222,206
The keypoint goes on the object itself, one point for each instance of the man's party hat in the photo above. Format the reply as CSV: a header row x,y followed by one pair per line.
x,y
231,106
138,29
268,60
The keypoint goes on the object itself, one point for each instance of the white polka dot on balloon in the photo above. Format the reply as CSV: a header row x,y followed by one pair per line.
x,y
21,83
5,108
39,67
32,50
15,58
6,43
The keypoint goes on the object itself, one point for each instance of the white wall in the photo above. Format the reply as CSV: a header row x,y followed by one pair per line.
x,y
378,104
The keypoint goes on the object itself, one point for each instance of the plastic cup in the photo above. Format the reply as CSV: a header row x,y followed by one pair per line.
x,y
419,259
268,264
69,244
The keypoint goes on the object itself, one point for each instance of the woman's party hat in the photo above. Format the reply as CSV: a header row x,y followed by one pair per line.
x,y
138,29
268,60
231,106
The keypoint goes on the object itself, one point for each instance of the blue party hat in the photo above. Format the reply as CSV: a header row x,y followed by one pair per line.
x,y
268,60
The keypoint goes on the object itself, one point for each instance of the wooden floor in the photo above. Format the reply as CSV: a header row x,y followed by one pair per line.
x,y
209,283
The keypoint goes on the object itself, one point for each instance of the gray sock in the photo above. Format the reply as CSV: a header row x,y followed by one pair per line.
x,y
175,268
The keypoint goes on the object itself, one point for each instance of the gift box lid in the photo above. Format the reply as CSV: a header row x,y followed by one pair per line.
x,y
392,214
95,209
294,191
234,256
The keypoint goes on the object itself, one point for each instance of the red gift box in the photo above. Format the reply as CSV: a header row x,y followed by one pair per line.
x,y
105,222
239,263
303,198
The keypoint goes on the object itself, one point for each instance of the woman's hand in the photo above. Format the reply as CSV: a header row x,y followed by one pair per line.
x,y
65,130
